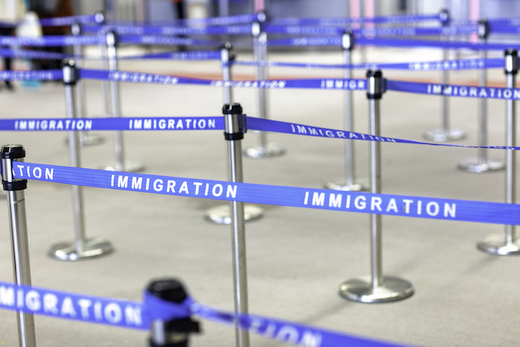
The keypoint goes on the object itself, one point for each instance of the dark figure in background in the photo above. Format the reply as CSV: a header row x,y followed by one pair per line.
x,y
51,9
8,62
180,9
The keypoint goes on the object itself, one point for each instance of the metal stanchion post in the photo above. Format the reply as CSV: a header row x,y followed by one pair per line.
x,y
377,288
350,184
85,139
497,244
234,133
221,214
103,65
120,163
445,133
173,333
19,238
482,164
264,148
81,248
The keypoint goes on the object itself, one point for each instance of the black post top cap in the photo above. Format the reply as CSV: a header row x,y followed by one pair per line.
x,y
227,45
511,51
234,108
376,73
13,152
168,289
69,63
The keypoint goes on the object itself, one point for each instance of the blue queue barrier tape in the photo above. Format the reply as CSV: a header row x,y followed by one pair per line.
x,y
62,21
175,55
51,41
346,21
212,21
164,40
388,42
201,123
171,30
454,90
459,64
139,77
390,31
385,204
139,315
42,75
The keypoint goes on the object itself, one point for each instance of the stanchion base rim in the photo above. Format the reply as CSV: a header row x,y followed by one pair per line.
x,y
497,245
473,166
354,187
221,214
86,140
271,150
92,248
444,136
361,290
130,166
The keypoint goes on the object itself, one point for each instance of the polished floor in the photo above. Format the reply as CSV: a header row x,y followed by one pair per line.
x,y
297,258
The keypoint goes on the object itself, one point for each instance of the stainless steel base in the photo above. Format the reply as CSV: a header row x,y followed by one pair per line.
x,y
354,187
497,245
222,214
92,248
474,166
271,150
86,139
444,136
361,290
129,166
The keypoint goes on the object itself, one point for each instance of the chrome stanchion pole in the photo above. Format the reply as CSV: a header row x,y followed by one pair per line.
x,y
234,133
175,332
19,238
221,214
350,184
483,163
103,65
121,164
445,133
264,149
376,288
498,244
85,139
81,248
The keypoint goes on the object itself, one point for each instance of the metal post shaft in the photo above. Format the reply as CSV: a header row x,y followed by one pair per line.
x,y
221,214
496,244
445,133
350,172
375,288
264,148
81,248
482,163
234,134
120,163
19,237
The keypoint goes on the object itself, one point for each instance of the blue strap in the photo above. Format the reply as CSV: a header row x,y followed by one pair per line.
x,y
164,40
385,204
347,21
42,75
51,41
176,55
434,44
62,21
454,90
171,30
461,64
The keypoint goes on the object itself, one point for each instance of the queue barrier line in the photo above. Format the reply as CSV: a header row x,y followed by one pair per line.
x,y
344,21
171,30
139,315
323,199
312,83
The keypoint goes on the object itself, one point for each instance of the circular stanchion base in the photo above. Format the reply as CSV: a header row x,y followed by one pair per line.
x,y
473,166
444,136
86,140
271,150
130,166
92,248
498,245
222,214
361,290
354,187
